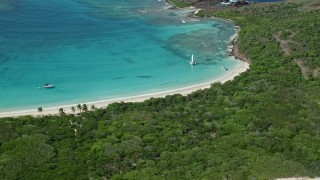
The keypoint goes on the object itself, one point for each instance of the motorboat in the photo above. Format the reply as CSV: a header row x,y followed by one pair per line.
x,y
224,68
48,85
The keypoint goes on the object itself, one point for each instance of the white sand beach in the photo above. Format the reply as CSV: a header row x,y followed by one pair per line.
x,y
242,67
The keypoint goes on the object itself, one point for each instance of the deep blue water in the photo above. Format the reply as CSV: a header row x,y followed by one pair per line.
x,y
101,49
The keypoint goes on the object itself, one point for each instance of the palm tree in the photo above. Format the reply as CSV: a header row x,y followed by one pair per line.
x,y
92,107
84,107
79,107
73,109
61,111
40,109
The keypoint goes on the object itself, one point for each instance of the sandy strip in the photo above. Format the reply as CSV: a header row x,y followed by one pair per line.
x,y
242,67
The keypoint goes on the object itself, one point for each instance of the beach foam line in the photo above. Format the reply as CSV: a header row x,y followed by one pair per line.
x,y
242,67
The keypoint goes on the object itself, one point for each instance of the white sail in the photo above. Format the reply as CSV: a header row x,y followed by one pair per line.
x,y
192,60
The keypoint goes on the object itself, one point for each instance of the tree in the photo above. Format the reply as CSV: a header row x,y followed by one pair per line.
x,y
40,109
73,109
84,107
93,107
61,111
79,107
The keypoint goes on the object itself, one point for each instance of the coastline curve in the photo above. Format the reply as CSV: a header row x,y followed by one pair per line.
x,y
242,67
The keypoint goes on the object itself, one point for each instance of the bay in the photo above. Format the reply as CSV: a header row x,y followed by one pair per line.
x,y
94,50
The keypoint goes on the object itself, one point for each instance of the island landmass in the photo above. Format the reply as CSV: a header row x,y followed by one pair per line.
x,y
262,125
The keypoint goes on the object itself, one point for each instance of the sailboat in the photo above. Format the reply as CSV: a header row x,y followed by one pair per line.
x,y
192,62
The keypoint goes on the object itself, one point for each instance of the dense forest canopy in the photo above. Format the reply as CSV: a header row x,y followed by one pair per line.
x,y
265,124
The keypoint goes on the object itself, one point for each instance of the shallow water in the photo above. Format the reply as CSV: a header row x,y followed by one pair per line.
x,y
101,49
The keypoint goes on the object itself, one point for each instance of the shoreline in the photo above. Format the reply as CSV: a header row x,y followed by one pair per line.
x,y
242,67
174,5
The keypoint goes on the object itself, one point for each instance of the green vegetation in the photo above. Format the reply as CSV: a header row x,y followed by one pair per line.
x,y
40,109
264,124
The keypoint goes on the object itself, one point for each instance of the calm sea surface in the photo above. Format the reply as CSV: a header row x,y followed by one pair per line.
x,y
102,49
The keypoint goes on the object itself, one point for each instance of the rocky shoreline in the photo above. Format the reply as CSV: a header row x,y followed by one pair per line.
x,y
235,49
175,6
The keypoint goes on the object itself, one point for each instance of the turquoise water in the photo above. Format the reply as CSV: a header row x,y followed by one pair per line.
x,y
102,49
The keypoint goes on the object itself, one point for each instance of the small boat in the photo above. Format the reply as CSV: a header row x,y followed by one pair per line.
x,y
192,62
48,85
224,68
